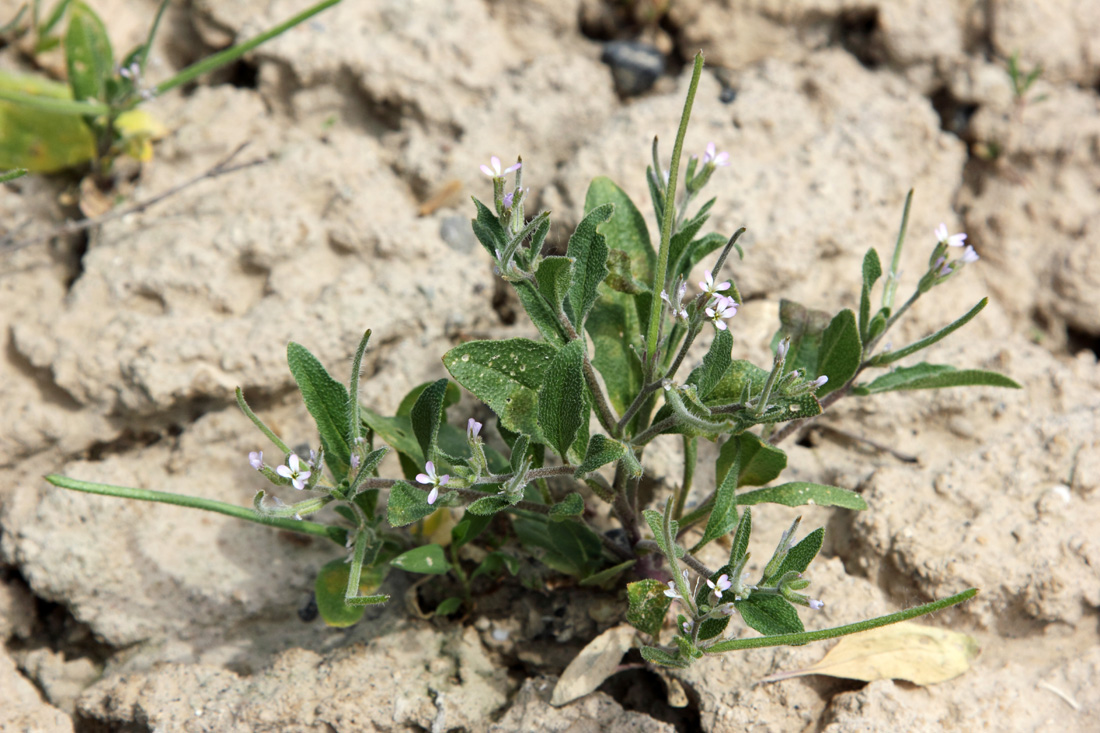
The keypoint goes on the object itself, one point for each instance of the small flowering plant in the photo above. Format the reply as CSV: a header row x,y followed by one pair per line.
x,y
574,413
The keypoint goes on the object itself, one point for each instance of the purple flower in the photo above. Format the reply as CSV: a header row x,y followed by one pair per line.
x,y
719,159
709,287
355,461
781,349
508,198
721,586
256,459
473,427
294,472
495,171
952,240
721,309
435,481
969,255
821,381
816,604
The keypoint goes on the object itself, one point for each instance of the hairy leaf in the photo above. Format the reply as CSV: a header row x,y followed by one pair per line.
x,y
327,401
802,493
933,376
770,615
841,351
648,605
425,560
562,407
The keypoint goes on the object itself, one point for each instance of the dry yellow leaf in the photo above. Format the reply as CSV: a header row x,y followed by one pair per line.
x,y
923,655
596,662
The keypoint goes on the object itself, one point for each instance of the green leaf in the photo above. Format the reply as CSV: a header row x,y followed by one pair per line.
x,y
571,506
561,403
739,547
804,327
604,578
620,277
540,312
88,54
891,356
723,514
395,431
588,250
453,395
680,243
933,376
703,247
506,375
468,529
801,555
488,230
487,506
331,586
744,376
801,493
448,606
327,401
553,277
760,462
426,560
427,414
841,352
647,605
494,562
578,544
715,364
626,229
663,658
601,451
872,271
408,504
614,326
770,615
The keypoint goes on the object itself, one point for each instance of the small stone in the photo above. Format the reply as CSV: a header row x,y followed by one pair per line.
x,y
635,66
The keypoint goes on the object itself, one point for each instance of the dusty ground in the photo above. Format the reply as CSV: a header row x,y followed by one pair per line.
x,y
121,352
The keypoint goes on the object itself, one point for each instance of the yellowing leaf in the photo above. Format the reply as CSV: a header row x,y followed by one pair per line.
x,y
923,655
138,129
596,662
36,139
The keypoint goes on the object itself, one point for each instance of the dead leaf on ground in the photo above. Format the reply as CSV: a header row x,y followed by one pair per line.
x,y
923,655
596,662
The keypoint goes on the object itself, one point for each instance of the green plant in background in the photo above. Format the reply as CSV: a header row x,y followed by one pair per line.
x,y
617,325
94,118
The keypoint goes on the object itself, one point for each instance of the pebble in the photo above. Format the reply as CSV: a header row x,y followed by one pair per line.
x,y
635,66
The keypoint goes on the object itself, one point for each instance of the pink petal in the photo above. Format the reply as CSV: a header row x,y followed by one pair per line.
x,y
423,478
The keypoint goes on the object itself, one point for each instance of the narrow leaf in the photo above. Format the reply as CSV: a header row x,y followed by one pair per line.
x,y
715,365
933,376
488,230
487,506
588,250
613,325
659,656
561,403
88,54
891,356
739,547
723,514
327,401
841,352
801,493
801,555
553,278
769,614
426,416
872,271
541,313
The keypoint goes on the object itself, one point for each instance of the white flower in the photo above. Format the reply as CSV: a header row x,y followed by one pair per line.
x,y
672,592
430,478
686,626
781,349
969,255
709,287
312,458
821,381
721,309
256,459
294,472
952,240
718,159
495,171
816,604
721,586
473,427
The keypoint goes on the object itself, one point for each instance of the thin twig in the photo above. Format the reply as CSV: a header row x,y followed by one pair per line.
x,y
906,457
221,168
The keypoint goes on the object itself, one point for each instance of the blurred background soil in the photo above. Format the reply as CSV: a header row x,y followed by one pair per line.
x,y
121,348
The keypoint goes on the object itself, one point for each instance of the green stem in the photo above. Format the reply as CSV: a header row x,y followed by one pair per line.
x,y
890,289
336,534
691,456
670,210
808,636
54,104
232,54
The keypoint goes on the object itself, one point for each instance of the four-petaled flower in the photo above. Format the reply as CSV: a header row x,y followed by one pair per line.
x,y
721,586
473,427
718,159
720,309
709,287
256,459
672,592
430,478
495,171
293,471
951,240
